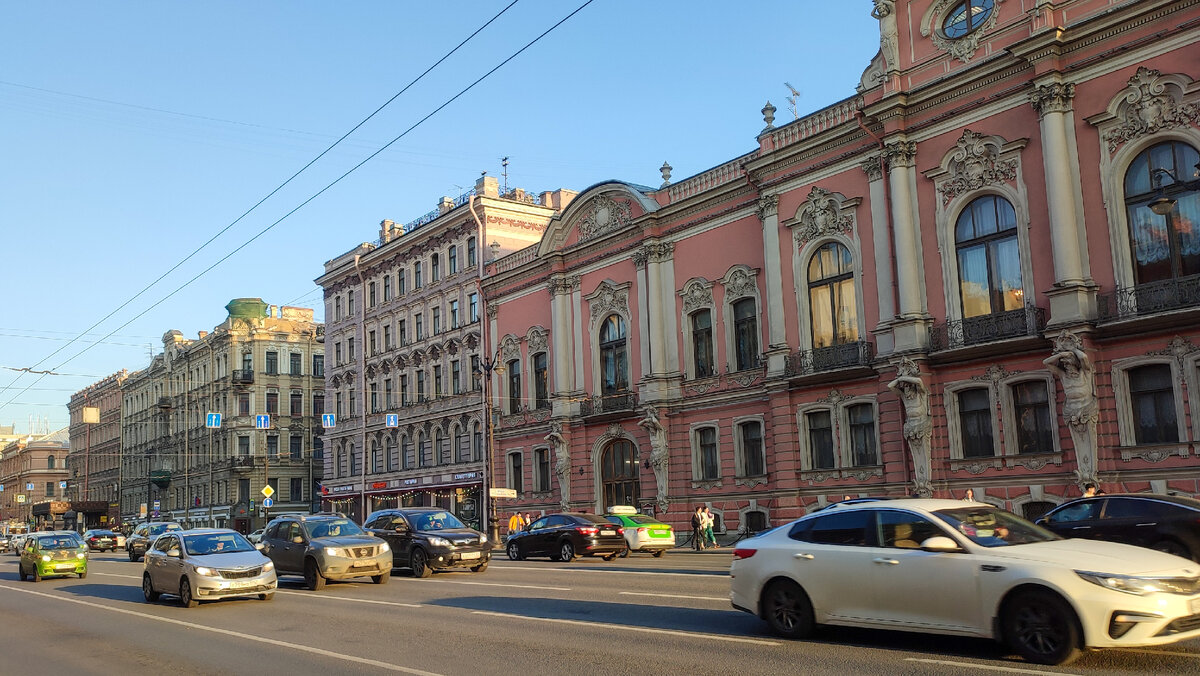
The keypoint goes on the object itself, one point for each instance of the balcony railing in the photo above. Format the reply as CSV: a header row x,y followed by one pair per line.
x,y
1027,321
848,355
1150,298
608,403
243,376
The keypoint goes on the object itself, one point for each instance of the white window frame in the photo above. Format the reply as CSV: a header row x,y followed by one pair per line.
x,y
697,457
727,304
1126,428
739,452
698,287
508,469
806,463
846,455
802,258
954,423
1008,409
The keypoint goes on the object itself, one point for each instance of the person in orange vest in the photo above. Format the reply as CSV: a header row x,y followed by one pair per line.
x,y
516,523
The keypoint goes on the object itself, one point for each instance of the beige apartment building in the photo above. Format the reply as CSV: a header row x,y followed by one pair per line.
x,y
93,463
261,373
404,333
32,471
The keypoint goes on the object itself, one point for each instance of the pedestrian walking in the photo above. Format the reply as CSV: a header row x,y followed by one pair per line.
x,y
709,538
516,523
698,528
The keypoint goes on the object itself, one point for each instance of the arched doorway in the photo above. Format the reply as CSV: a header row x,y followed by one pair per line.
x,y
619,474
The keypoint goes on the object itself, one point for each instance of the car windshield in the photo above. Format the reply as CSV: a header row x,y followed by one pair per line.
x,y
164,527
331,528
438,521
991,527
216,543
58,542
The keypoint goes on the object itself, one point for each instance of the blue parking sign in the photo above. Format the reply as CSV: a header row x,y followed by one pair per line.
x,y
327,420
62,484
392,419
212,420
262,421
268,502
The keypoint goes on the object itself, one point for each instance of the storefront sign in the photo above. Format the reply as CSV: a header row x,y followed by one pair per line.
x,y
466,475
379,484
341,489
410,482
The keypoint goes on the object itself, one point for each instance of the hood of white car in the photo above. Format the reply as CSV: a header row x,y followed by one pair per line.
x,y
230,560
1101,557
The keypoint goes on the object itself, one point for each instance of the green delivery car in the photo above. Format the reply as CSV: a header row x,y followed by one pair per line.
x,y
642,533
52,555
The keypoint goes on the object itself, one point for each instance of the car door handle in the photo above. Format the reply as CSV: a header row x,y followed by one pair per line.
x,y
1082,528
808,557
1152,523
890,562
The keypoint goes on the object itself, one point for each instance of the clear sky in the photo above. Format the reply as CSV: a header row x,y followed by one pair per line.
x,y
133,132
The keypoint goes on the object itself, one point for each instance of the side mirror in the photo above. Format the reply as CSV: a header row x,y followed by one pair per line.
x,y
174,553
940,543
258,546
298,540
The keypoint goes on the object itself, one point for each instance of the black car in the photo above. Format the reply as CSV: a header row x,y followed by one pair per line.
x,y
427,539
1167,523
144,535
565,536
100,540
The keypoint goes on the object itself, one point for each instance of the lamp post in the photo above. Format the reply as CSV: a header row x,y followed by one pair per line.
x,y
487,367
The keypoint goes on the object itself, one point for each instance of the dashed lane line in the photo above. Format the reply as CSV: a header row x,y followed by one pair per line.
x,y
308,595
626,627
615,572
678,596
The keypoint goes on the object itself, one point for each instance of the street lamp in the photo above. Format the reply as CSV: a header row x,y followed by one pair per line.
x,y
1163,205
486,368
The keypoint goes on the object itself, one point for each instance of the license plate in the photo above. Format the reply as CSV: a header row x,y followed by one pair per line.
x,y
608,532
1194,606
362,564
65,566
658,532
469,555
243,584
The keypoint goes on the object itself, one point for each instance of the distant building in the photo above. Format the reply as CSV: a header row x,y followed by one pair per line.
x,y
262,361
32,470
94,461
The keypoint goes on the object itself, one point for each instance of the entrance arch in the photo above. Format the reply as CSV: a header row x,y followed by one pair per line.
x,y
619,474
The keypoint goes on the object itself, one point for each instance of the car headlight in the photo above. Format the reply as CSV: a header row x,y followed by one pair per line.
x,y
385,548
45,557
439,542
205,572
1139,586
332,551
483,539
80,555
268,566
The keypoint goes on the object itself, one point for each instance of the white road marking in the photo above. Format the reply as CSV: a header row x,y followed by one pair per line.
x,y
499,584
615,572
131,577
314,595
678,596
626,627
226,632
988,667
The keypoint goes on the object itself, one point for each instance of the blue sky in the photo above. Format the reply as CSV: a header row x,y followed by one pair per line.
x,y
132,132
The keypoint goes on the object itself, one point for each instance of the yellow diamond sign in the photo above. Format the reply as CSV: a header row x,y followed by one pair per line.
x,y
267,491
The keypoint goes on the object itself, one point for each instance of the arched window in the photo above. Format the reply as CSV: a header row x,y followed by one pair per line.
x,y
966,17
1163,246
745,333
514,386
391,454
50,462
614,362
354,461
541,380
989,258
619,474
831,296
702,343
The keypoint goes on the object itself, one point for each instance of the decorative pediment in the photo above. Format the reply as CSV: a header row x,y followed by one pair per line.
x,y
976,161
510,348
696,294
740,282
605,216
598,211
823,213
538,339
608,298
1150,103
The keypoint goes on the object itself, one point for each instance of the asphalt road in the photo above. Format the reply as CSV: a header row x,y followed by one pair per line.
x,y
630,616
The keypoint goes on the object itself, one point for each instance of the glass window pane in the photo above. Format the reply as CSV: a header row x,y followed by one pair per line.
x,y
847,312
822,316
973,273
983,212
1007,268
1006,216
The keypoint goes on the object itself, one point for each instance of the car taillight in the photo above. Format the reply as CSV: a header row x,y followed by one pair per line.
x,y
642,529
587,530
743,553
620,531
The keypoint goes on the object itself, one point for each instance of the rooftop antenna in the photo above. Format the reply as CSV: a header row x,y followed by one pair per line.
x,y
504,172
792,100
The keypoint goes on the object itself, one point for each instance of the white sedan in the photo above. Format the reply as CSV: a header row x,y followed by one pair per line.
x,y
967,569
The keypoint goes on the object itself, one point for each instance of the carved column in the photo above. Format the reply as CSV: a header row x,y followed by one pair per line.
x,y
777,348
1072,300
881,238
658,307
562,336
910,330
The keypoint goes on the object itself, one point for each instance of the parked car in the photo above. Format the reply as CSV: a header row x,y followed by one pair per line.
x,y
1167,523
642,533
120,539
144,535
52,555
428,539
967,569
565,536
256,536
17,542
206,564
325,547
100,540
5,542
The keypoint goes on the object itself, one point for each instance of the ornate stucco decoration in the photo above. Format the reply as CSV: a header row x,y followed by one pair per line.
x,y
963,48
1055,97
820,215
1151,103
889,36
562,285
614,431
654,252
768,205
607,299
660,453
510,348
1180,348
493,309
873,168
994,374
900,153
739,283
696,294
976,162
639,258
1081,410
834,397
562,462
605,216
537,338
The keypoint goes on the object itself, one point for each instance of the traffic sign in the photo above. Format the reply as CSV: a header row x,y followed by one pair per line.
x,y
62,484
268,502
262,421
20,497
156,505
327,420
29,486
392,419
502,492
267,491
212,420
1,488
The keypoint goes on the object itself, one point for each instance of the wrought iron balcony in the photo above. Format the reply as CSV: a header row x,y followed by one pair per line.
x,y
846,355
608,403
1150,298
243,462
243,377
1028,321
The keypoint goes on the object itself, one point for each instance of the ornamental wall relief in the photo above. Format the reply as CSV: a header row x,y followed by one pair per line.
x,y
976,161
696,294
606,215
607,299
962,48
1150,103
823,213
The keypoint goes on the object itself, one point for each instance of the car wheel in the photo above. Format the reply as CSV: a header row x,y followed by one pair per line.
x,y
566,551
625,553
1171,547
37,574
148,590
658,554
269,596
787,610
514,552
382,578
312,576
480,568
610,557
83,575
185,594
132,557
21,572
418,563
1042,628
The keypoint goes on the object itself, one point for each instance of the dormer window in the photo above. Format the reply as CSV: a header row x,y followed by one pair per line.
x,y
966,17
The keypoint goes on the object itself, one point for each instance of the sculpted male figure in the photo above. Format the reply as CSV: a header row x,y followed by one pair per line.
x,y
562,462
918,423
889,36
660,453
1080,406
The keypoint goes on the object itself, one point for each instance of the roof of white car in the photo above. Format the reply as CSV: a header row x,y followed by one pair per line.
x,y
930,504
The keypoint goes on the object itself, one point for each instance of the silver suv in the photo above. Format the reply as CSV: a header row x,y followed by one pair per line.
x,y
325,547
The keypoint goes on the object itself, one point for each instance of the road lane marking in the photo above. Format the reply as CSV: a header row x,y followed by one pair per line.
x,y
989,667
615,572
227,632
678,596
499,584
626,627
305,594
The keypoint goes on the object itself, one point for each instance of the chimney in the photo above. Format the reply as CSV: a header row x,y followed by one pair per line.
x,y
445,205
385,230
202,335
273,312
487,186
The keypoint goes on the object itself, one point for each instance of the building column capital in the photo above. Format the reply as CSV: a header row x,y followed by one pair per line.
x,y
1053,97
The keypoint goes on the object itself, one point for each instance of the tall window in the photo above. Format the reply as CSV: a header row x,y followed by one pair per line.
x,y
1035,433
404,389
273,445
417,275
516,473
619,473
355,462
820,439
745,333
387,337
452,258
471,252
420,385
541,381
541,461
1163,247
371,297
437,380
387,288
614,363
831,296
318,403
702,343
295,403
273,403
403,328
420,325
390,454
374,397
435,268
387,394
455,376
861,418
710,460
989,259
376,459
454,314
350,302
372,345
975,418
297,360
436,313
318,369
295,445
273,363
753,460
514,386
401,282
473,307
337,308
1153,399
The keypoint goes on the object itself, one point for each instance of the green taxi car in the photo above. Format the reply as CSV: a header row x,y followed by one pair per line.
x,y
52,555
642,533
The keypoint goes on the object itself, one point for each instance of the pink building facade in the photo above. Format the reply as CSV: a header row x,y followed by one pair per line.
x,y
959,277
